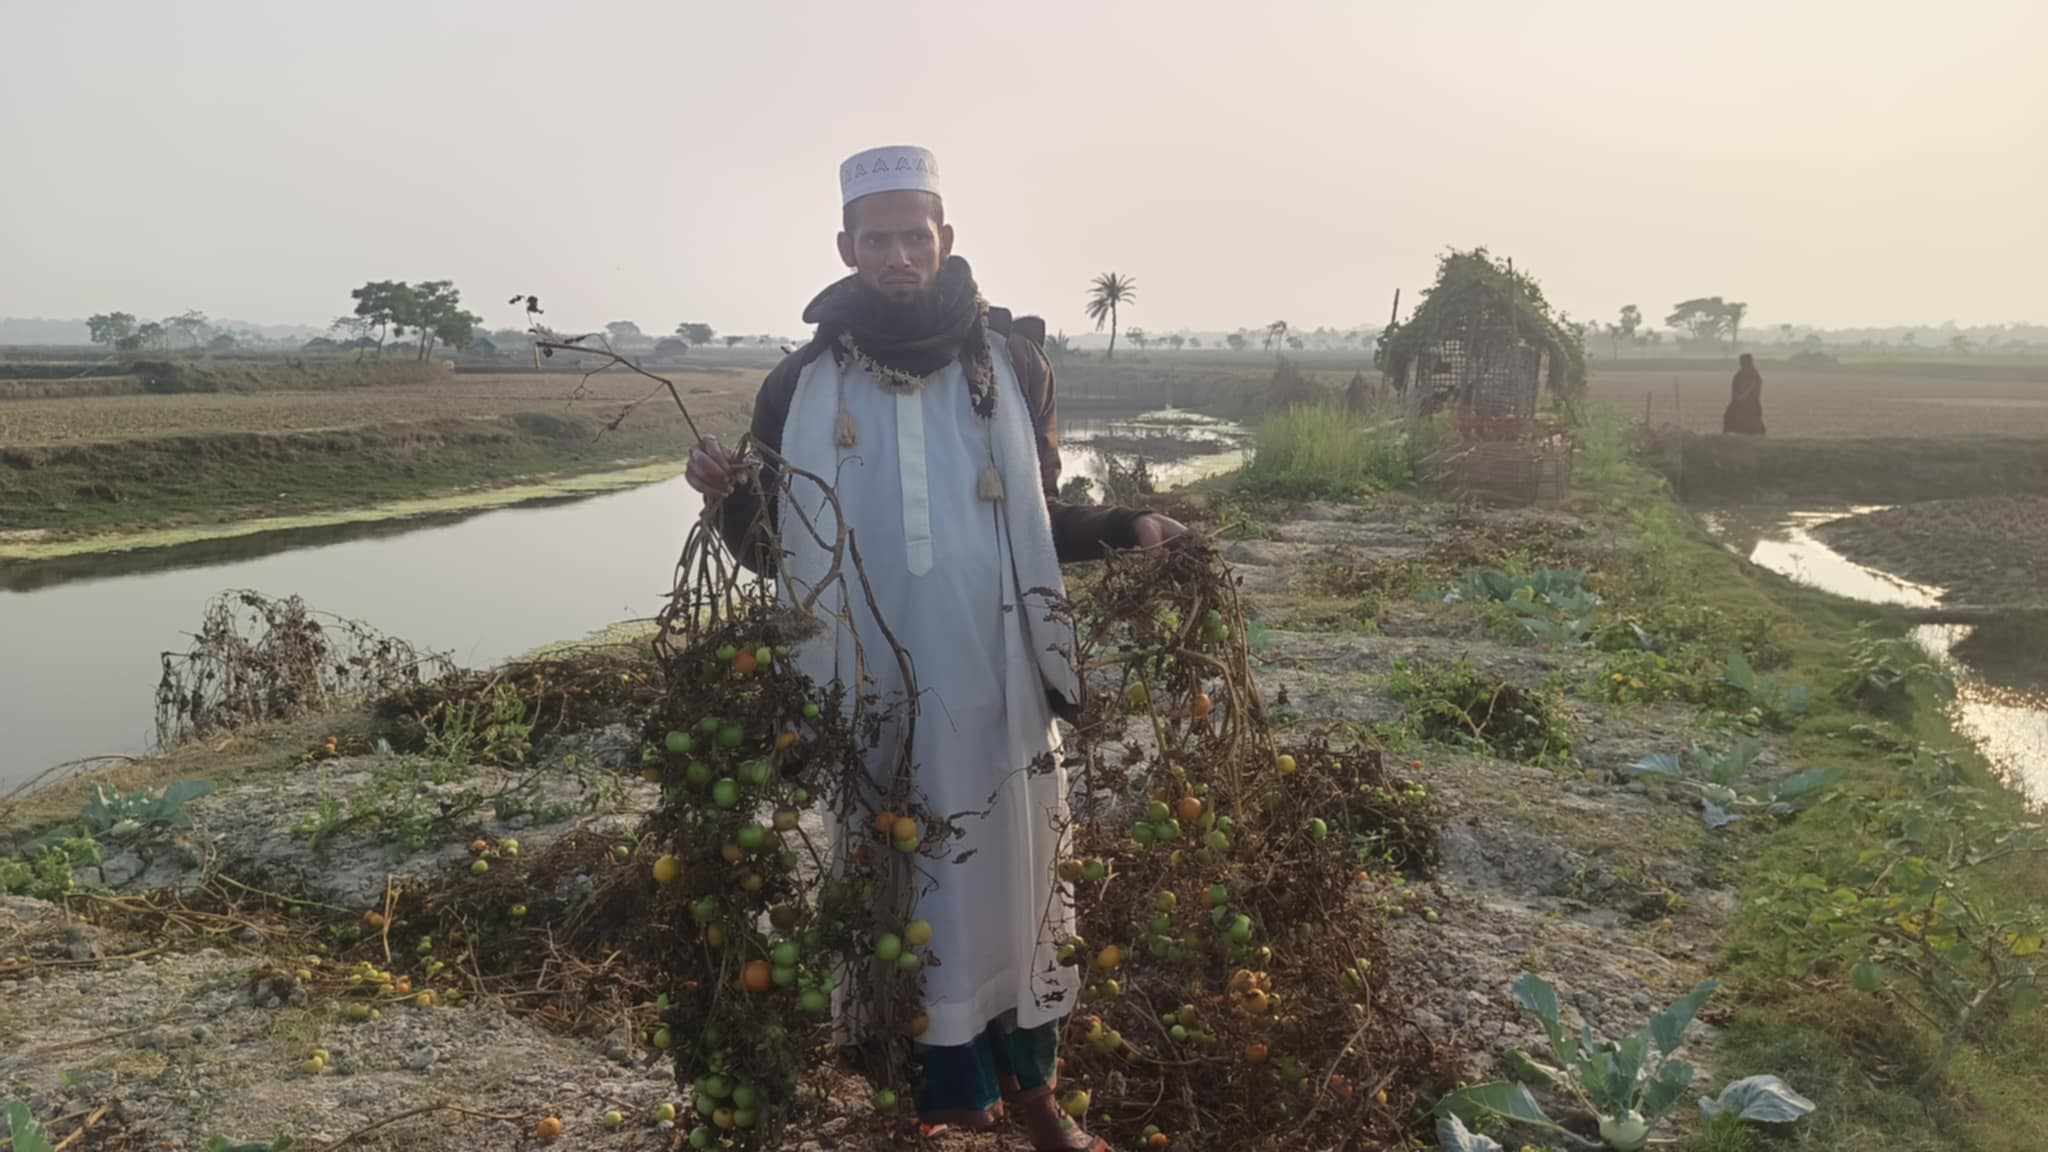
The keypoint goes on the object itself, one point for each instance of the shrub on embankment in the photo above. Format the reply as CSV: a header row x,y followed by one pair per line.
x,y
1870,471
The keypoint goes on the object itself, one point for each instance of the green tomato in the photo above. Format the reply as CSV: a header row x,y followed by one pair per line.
x,y
751,837
1094,870
1167,831
726,793
1241,929
888,948
764,656
726,652
1217,841
909,962
1166,901
730,736
1158,812
717,1087
1142,833
700,1137
810,710
743,1096
1218,896
783,977
679,742
1317,830
708,725
813,1002
784,955
1179,1034
698,773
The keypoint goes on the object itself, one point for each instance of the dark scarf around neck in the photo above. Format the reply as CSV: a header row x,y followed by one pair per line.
x,y
918,338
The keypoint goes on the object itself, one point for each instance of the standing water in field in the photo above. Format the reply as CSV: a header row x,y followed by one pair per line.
x,y
2001,688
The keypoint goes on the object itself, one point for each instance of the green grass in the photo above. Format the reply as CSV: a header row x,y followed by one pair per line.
x,y
1854,1054
212,480
1320,450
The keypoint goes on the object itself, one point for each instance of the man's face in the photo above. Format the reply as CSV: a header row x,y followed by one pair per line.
x,y
897,244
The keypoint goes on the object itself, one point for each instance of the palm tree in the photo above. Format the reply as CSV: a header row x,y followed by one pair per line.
x,y
1736,310
1108,291
1276,332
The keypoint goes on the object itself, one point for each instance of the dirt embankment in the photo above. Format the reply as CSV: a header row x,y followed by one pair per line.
x,y
167,1018
1987,550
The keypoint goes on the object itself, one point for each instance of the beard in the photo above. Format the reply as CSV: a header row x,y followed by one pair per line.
x,y
904,316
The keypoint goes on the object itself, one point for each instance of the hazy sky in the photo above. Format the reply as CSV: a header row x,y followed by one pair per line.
x,y
1831,163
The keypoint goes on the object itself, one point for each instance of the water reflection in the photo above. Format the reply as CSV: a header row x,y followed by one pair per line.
x,y
1179,446
2001,687
79,665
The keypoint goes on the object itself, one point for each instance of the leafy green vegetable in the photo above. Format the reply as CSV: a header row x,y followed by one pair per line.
x,y
21,1124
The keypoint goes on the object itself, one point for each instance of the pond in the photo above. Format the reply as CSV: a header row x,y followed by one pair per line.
x,y
84,636
2001,687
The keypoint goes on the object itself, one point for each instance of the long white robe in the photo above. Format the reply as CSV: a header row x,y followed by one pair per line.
x,y
948,582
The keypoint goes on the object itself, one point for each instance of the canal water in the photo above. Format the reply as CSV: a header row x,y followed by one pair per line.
x,y
2001,697
81,640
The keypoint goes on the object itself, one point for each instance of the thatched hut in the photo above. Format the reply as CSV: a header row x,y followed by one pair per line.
x,y
1483,342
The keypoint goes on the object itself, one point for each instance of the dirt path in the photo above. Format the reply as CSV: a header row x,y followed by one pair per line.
x,y
1612,891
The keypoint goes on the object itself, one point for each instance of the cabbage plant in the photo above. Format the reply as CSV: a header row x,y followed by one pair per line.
x,y
1629,1086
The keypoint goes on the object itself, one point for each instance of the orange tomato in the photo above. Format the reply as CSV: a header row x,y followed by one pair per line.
x,y
1190,810
1202,705
548,1129
785,742
743,662
1255,1053
1156,1140
903,829
757,976
885,820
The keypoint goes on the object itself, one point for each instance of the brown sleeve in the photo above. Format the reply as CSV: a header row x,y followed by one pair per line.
x,y
750,508
1079,531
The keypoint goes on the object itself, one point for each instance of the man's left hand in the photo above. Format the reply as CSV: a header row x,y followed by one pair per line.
x,y
1154,529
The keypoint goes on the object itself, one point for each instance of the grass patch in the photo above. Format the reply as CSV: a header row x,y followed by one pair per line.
x,y
1325,450
1859,1055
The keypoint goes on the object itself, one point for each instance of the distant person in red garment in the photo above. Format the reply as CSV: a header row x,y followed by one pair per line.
x,y
1745,415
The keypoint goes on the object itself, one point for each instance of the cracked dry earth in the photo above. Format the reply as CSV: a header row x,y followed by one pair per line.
x,y
1610,891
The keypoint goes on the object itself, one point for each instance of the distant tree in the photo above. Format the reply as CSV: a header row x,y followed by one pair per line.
x,y
383,305
695,333
110,328
1784,333
1177,340
320,344
1736,311
1236,341
1296,343
350,329
1654,336
624,332
222,342
732,340
191,325
433,309
1057,346
1194,341
1276,333
1959,344
1140,337
671,348
1623,330
1705,317
151,334
481,345
1106,294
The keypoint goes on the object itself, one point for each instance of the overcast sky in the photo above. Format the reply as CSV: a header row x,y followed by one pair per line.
x,y
1831,163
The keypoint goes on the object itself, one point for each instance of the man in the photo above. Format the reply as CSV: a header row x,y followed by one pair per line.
x,y
935,414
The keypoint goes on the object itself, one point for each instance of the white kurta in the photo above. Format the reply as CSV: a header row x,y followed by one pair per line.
x,y
945,579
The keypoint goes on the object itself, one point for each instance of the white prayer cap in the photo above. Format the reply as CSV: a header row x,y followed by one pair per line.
x,y
894,169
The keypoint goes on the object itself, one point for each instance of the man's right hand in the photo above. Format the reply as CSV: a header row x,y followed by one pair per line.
x,y
714,469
